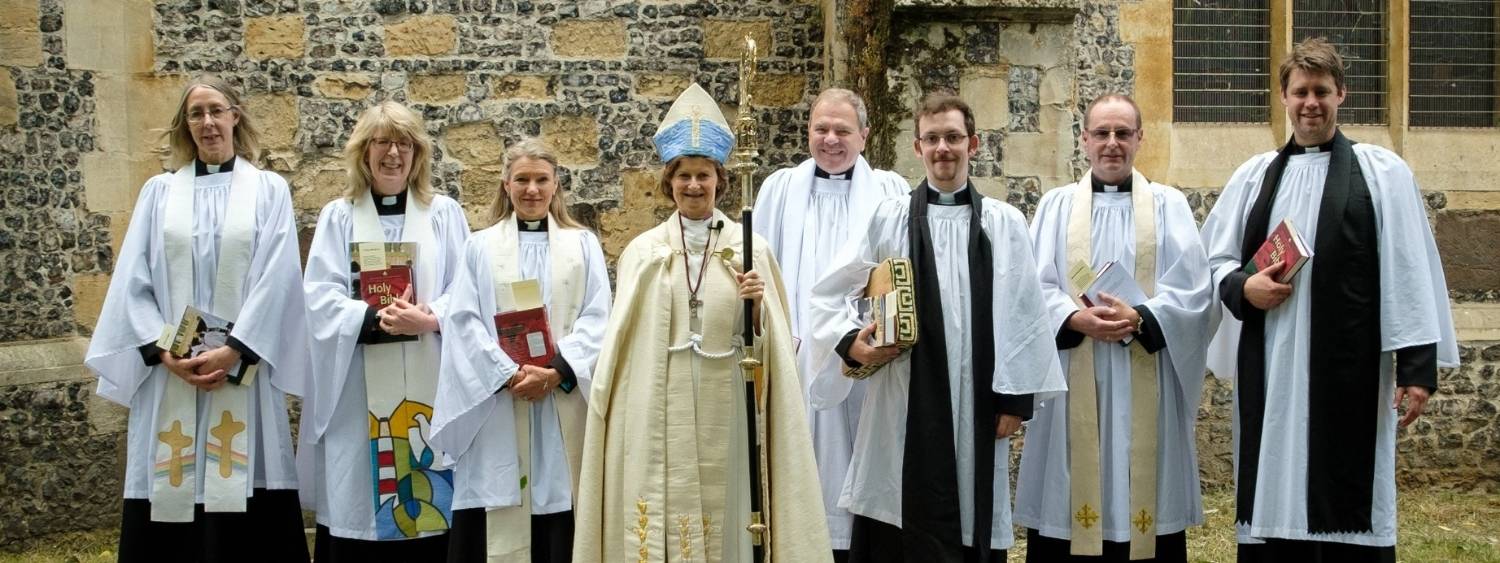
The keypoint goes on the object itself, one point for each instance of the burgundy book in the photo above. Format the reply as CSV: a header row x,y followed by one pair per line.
x,y
1284,245
380,287
526,337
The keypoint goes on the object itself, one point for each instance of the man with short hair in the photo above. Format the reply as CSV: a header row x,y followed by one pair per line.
x,y
1323,361
927,479
806,213
1109,472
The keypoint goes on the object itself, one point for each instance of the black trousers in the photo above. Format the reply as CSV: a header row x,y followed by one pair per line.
x,y
1170,548
551,537
270,529
328,548
1279,551
873,541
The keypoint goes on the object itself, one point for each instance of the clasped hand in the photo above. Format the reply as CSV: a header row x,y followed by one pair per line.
x,y
532,383
1111,322
401,317
1263,291
207,371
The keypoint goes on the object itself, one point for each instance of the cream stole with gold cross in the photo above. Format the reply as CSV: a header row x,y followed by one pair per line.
x,y
400,386
508,529
1083,407
227,457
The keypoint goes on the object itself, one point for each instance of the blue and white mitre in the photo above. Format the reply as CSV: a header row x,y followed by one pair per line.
x,y
694,126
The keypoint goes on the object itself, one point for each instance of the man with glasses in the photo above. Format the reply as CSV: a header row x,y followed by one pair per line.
x,y
1108,472
1322,361
927,479
805,214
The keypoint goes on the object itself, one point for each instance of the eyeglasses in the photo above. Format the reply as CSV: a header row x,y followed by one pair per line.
x,y
1103,135
403,146
953,139
196,116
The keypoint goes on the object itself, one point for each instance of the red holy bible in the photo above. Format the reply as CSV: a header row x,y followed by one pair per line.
x,y
525,336
380,287
1284,245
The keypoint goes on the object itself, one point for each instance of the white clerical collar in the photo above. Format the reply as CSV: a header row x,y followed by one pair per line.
x,y
847,175
960,196
695,232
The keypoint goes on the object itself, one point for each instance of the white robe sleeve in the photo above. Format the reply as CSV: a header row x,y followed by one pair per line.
x,y
273,316
1184,297
1049,230
1222,233
473,365
581,347
335,317
833,302
131,316
1026,351
450,228
1414,307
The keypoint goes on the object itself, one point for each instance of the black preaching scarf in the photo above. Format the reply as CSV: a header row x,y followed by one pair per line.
x,y
1344,363
930,526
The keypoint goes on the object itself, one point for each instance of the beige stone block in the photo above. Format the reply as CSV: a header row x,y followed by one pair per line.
x,y
20,33
778,90
109,35
479,186
43,361
275,37
88,298
1043,45
1476,321
421,36
316,185
1035,154
107,417
662,85
346,85
984,88
725,38
1485,201
642,206
1057,88
473,144
990,186
1146,20
590,39
1204,156
523,87
1452,159
107,186
575,139
10,104
118,223
437,88
908,162
276,117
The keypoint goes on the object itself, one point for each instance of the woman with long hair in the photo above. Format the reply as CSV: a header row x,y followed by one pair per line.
x,y
378,274
209,474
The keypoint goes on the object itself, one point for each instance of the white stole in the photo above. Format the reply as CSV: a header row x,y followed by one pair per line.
x,y
863,199
227,461
400,407
508,529
1087,534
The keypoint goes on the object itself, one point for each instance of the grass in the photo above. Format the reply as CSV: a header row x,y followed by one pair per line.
x,y
1450,526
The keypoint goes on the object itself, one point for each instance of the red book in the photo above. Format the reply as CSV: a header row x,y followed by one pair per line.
x,y
1284,245
526,337
380,287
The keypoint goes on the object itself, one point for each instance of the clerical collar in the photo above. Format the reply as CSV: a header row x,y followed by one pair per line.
x,y
1299,149
964,196
819,172
201,168
1100,186
537,226
390,204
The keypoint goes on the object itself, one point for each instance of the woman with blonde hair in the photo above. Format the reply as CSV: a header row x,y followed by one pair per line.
x,y
514,421
376,482
209,474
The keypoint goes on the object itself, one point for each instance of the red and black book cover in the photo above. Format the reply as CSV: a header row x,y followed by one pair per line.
x,y
1284,245
526,337
380,287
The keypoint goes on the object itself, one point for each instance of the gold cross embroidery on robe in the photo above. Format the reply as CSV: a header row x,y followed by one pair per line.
x,y
1086,516
1142,521
178,442
227,429
642,527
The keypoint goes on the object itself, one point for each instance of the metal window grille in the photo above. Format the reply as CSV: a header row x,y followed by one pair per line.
x,y
1357,27
1453,59
1220,61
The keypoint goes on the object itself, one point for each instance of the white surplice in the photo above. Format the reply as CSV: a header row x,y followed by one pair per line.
x,y
1025,352
805,219
335,433
272,323
1414,311
475,422
1181,305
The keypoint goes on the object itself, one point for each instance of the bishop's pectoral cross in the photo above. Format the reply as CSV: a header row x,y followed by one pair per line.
x,y
695,323
227,429
178,442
